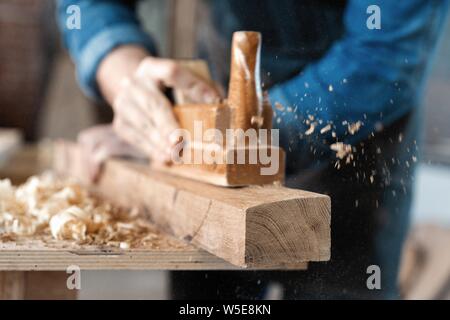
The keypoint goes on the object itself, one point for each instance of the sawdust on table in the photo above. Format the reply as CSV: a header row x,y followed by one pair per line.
x,y
48,208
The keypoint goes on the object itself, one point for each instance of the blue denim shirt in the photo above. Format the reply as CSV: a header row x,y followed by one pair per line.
x,y
370,75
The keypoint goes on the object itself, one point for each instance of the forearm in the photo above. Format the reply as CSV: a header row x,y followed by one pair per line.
x,y
105,26
116,66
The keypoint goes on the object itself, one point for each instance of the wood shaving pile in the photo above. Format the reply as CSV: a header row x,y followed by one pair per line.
x,y
66,211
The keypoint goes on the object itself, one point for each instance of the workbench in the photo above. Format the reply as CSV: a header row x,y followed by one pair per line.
x,y
36,269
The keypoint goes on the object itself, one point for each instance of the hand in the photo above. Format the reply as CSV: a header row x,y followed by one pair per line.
x,y
142,113
100,143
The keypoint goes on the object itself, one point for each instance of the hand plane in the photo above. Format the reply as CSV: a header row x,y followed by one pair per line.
x,y
231,142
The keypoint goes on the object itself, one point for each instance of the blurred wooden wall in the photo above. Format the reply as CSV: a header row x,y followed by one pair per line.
x,y
27,42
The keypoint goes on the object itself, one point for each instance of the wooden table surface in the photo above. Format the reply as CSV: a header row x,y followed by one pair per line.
x,y
37,255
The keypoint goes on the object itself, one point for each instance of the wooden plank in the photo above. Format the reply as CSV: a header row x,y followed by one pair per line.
x,y
260,227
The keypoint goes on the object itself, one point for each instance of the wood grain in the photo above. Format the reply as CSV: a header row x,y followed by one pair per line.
x,y
245,93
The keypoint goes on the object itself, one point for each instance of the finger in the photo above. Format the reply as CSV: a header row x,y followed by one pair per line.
x,y
142,142
149,99
157,108
131,117
97,134
128,107
200,93
88,138
171,74
103,152
96,162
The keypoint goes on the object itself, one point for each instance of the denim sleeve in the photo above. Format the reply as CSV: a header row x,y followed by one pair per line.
x,y
104,25
370,75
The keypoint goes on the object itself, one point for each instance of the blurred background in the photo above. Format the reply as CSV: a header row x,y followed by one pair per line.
x,y
40,97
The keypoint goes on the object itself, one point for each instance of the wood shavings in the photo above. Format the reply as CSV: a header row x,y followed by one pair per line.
x,y
124,245
354,127
279,106
69,224
343,151
325,129
61,210
311,129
